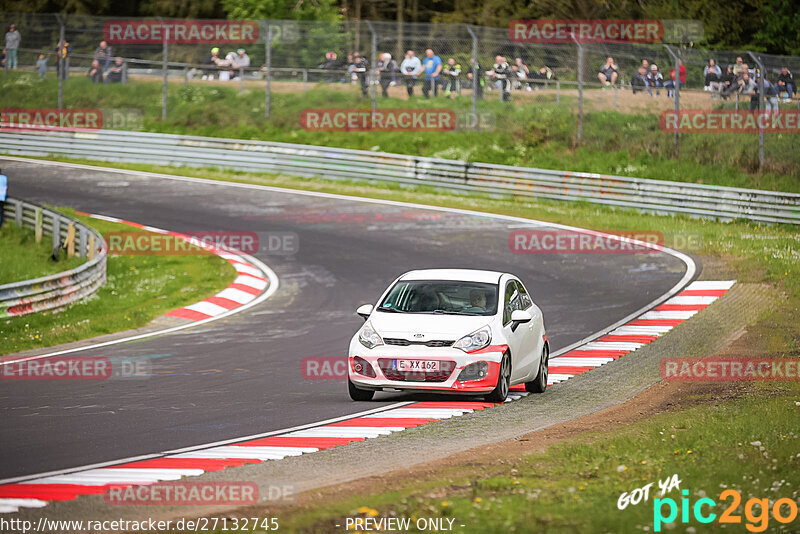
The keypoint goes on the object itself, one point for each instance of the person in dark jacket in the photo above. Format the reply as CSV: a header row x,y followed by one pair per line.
x,y
786,84
502,73
361,70
95,72
332,63
386,68
639,80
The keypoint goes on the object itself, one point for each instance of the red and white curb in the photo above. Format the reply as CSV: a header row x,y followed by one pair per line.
x,y
638,332
648,327
248,285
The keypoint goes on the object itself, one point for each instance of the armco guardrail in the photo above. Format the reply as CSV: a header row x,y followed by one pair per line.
x,y
56,290
337,163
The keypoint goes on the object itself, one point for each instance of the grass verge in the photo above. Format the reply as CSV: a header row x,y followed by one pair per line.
x,y
25,259
139,288
535,133
749,445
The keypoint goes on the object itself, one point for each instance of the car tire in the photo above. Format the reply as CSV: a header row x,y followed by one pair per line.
x,y
359,394
539,384
500,391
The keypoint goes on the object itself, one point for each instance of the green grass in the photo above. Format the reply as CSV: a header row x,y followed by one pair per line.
x,y
575,485
24,258
138,289
538,134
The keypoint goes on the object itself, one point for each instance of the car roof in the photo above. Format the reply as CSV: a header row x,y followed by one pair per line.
x,y
463,275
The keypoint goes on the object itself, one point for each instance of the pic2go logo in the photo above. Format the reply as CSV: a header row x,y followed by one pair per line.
x,y
756,511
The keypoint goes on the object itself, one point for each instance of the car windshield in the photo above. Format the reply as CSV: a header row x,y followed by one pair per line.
x,y
448,297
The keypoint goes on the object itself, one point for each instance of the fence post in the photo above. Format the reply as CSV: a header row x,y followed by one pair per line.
x,y
268,74
61,63
677,84
164,68
372,74
580,87
37,225
305,80
241,79
558,93
761,97
56,231
475,80
614,87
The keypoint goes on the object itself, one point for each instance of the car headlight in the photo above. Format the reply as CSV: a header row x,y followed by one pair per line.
x,y
476,340
369,337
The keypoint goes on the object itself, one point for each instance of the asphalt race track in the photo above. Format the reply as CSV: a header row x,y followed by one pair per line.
x,y
241,375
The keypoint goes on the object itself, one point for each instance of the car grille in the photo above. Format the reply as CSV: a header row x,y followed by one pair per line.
x,y
445,370
405,342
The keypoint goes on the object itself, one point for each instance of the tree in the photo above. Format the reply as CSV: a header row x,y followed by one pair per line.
x,y
323,10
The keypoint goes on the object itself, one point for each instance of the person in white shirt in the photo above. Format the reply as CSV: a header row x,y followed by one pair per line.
x,y
410,69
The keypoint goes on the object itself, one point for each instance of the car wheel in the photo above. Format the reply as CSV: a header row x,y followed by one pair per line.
x,y
500,391
359,394
539,384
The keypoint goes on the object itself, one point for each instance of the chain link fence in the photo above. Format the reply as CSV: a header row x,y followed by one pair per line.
x,y
300,57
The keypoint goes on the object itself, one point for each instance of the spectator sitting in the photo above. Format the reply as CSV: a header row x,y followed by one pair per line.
x,y
748,87
654,80
672,83
786,84
115,72
639,80
41,65
738,66
386,69
728,83
711,75
236,61
103,55
211,60
95,72
646,65
452,76
410,69
608,73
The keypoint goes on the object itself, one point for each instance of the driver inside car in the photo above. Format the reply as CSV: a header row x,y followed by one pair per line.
x,y
477,301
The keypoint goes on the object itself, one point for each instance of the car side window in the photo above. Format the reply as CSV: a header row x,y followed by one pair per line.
x,y
511,301
526,299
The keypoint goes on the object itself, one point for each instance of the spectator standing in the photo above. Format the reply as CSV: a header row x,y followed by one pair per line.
x,y
673,81
386,69
711,75
608,73
655,80
41,65
786,84
95,72
738,66
103,55
477,85
410,68
211,61
361,69
333,64
3,194
748,87
115,73
13,39
63,50
770,95
452,77
639,80
237,60
433,68
502,74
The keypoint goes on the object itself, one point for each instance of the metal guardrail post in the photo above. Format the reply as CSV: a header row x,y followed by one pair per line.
x,y
56,231
558,93
305,80
761,97
165,69
372,74
475,76
241,79
677,84
580,87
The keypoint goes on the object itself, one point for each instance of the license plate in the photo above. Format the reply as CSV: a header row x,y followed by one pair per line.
x,y
424,366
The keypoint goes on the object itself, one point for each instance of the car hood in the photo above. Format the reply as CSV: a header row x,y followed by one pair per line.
x,y
406,325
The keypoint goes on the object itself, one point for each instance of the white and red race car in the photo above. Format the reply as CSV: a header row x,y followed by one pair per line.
x,y
450,330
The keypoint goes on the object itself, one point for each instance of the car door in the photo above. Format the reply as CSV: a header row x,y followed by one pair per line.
x,y
531,340
516,338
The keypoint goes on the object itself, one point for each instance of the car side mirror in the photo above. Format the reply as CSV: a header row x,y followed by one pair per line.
x,y
519,317
364,311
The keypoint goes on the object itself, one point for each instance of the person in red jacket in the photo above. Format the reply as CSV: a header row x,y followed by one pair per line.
x,y
670,85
